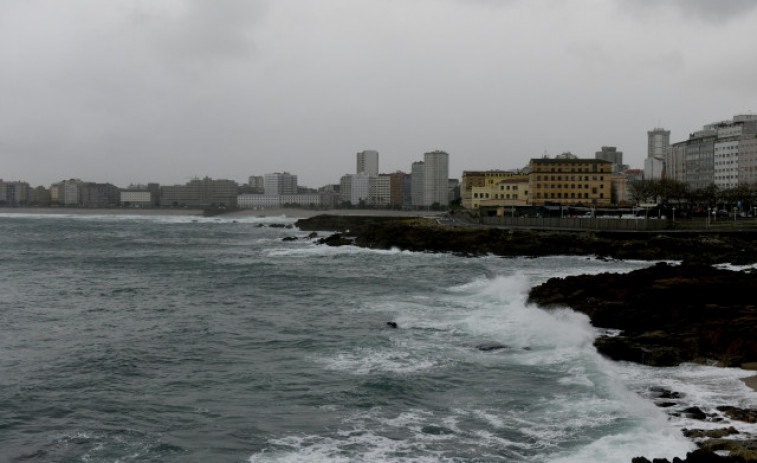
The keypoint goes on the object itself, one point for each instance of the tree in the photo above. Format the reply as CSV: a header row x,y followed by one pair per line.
x,y
642,191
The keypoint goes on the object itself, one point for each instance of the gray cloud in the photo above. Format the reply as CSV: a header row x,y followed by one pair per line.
x,y
162,91
704,10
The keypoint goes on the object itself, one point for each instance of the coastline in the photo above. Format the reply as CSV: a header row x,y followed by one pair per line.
x,y
293,213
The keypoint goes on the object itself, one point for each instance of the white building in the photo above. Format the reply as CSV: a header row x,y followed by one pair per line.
x,y
136,198
653,168
355,188
256,181
379,193
436,178
280,184
658,141
67,192
368,163
252,201
727,164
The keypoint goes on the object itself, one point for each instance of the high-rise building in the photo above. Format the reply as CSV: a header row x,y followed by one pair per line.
x,y
611,154
280,184
379,190
368,163
435,180
417,182
355,189
397,188
658,142
14,193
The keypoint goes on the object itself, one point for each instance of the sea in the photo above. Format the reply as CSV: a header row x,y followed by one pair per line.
x,y
130,338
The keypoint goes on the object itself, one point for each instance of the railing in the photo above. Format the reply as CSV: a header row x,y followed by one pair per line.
x,y
616,224
598,223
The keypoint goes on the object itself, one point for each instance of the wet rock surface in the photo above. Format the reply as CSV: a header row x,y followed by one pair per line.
x,y
426,235
667,314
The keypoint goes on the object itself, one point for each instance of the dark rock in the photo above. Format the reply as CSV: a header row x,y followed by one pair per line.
x,y
710,433
391,324
428,235
289,238
490,346
277,225
668,314
739,454
312,235
665,404
740,414
335,240
695,413
664,393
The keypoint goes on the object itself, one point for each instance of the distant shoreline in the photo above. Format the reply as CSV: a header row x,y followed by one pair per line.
x,y
279,212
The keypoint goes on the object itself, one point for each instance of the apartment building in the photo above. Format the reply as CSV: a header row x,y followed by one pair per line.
x,y
436,178
280,183
720,153
573,182
14,193
201,193
368,163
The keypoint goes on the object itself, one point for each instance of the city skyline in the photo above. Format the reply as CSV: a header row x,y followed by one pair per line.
x,y
184,89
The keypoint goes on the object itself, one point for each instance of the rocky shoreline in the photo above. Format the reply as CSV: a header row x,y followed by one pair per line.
x,y
666,314
426,235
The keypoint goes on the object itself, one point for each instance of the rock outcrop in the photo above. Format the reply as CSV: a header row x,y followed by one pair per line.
x,y
425,235
668,314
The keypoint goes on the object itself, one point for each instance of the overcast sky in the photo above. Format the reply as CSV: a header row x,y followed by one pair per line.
x,y
166,90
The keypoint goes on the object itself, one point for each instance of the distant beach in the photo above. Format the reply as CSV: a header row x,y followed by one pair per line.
x,y
286,212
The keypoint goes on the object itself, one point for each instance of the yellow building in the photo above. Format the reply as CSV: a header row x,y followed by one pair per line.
x,y
480,179
570,182
510,192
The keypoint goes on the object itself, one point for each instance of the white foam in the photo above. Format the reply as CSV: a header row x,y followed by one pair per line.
x,y
368,361
705,387
622,448
737,268
356,445
312,249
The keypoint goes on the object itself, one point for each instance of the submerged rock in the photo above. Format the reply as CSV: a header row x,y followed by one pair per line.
x,y
335,240
490,346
